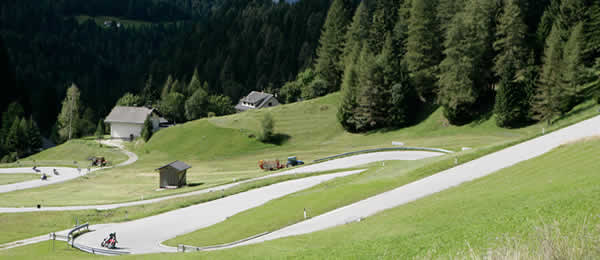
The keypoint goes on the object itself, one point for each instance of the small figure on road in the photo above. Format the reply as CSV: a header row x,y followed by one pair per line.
x,y
55,171
44,177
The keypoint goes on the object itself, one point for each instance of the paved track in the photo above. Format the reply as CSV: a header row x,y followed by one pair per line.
x,y
347,162
145,235
452,177
64,173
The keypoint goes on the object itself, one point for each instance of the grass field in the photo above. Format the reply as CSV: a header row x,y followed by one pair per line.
x,y
557,189
14,178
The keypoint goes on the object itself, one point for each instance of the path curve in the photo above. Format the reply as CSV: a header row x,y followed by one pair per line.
x,y
145,235
65,173
347,162
469,171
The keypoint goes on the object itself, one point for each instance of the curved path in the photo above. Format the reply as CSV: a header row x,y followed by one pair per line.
x,y
145,235
65,173
446,179
347,162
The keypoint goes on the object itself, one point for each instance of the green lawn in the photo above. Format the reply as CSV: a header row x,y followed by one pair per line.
x,y
220,150
557,189
15,178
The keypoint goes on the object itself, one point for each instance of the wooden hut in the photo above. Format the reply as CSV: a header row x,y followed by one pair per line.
x,y
173,175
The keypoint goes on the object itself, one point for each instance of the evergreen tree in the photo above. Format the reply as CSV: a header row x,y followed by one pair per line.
x,y
357,32
14,136
465,72
347,109
147,129
446,9
194,84
197,105
574,75
547,101
34,137
130,100
372,101
100,129
69,114
383,21
512,99
424,47
592,31
329,66
173,107
166,89
22,144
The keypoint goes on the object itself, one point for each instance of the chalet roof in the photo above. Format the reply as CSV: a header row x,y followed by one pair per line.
x,y
255,97
134,115
177,165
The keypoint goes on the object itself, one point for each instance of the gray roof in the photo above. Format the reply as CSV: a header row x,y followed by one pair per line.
x,y
255,97
134,115
177,165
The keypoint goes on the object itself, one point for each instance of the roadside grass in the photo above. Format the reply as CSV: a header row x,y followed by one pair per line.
x,y
17,177
221,151
17,226
561,186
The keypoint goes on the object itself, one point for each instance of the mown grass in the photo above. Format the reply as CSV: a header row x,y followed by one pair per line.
x,y
14,178
561,185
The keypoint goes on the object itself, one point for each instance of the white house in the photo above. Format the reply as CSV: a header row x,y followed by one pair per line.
x,y
127,122
256,100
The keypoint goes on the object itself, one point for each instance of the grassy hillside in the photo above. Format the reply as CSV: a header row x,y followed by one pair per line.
x,y
553,197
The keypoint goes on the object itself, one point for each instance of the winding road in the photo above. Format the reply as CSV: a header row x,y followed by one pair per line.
x,y
64,173
347,162
469,171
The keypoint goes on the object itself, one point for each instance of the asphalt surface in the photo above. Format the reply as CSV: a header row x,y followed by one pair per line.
x,y
145,235
469,171
341,163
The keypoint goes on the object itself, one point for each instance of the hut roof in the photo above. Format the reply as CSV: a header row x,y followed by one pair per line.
x,y
177,165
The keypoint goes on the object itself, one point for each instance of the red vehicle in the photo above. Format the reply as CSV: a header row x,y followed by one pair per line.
x,y
270,165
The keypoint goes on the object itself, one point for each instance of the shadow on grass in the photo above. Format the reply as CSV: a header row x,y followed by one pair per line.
x,y
278,139
194,184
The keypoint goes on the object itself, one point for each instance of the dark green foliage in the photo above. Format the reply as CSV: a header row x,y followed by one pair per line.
x,y
593,31
173,107
328,65
219,105
465,72
446,10
549,93
130,100
512,96
348,105
574,72
197,105
424,47
147,129
33,136
100,129
267,128
302,87
316,88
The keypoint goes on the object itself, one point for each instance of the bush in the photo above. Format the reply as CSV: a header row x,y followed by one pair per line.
x,y
268,126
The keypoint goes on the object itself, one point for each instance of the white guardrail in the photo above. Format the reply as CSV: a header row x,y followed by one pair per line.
x,y
383,150
186,248
70,238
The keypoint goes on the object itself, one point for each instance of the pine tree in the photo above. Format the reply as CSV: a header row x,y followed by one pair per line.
x,y
194,84
574,75
14,136
446,10
147,129
592,31
166,87
512,100
382,25
347,109
100,129
197,105
69,114
329,66
424,47
547,101
372,101
34,137
465,72
357,32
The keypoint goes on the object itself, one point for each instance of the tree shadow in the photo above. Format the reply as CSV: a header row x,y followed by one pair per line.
x,y
278,139
574,111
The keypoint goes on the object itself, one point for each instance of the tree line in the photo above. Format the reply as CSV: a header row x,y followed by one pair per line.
x,y
523,60
234,45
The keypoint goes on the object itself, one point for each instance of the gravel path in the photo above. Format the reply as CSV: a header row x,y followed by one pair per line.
x,y
65,173
450,178
347,162
145,235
